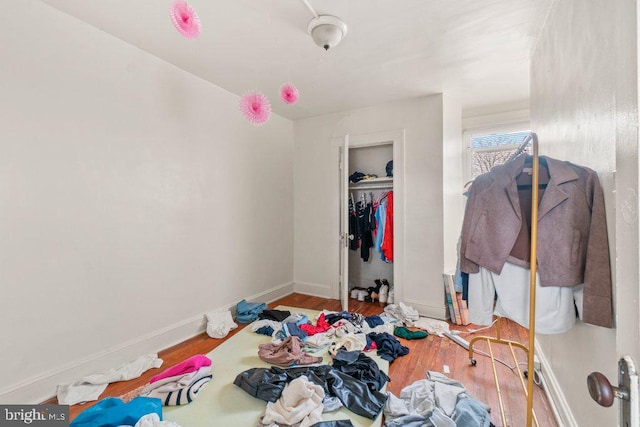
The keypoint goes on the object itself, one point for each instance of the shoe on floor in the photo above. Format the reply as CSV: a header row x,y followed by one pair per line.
x,y
384,293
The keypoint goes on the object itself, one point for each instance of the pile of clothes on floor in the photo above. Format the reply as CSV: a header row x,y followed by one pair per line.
x,y
177,385
436,401
299,388
113,412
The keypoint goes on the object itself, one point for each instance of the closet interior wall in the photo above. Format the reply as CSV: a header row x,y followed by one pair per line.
x,y
369,160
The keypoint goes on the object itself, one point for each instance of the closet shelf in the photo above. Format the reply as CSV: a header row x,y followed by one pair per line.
x,y
384,182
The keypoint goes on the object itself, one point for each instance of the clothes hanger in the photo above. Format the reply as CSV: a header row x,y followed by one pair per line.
x,y
526,172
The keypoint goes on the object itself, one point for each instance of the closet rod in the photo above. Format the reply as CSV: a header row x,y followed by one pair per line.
x,y
371,187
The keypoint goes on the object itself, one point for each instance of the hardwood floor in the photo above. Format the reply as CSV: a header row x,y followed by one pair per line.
x,y
430,354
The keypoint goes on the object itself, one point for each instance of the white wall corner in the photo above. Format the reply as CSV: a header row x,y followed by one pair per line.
x,y
432,311
314,289
559,405
43,387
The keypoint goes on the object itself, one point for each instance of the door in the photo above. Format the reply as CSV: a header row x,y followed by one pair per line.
x,y
345,237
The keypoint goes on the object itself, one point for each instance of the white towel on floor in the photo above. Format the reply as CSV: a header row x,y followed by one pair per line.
x,y
91,387
300,402
219,324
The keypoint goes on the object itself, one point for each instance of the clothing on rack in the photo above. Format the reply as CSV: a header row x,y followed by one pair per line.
x,y
381,219
365,227
555,305
387,240
353,225
368,221
572,245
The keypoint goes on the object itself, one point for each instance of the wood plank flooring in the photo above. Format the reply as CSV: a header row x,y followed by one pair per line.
x,y
430,354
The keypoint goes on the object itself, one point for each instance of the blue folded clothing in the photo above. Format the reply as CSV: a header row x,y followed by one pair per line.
x,y
292,329
113,412
247,312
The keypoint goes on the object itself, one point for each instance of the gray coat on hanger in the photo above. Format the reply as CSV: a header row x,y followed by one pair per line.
x,y
573,246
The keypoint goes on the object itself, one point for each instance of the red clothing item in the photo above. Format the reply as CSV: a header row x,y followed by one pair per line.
x,y
387,240
321,326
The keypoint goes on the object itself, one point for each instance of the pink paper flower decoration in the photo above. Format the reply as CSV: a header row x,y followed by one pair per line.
x,y
184,18
255,107
289,93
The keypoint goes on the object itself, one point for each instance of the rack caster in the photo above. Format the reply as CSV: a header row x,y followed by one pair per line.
x,y
473,361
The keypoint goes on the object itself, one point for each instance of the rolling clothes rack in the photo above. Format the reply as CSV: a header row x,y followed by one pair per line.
x,y
528,390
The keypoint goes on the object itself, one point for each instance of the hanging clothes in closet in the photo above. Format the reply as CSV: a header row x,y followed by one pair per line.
x,y
573,268
381,219
387,240
366,226
353,225
371,225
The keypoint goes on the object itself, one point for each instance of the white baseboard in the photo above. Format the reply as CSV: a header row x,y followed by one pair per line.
x,y
42,387
314,289
272,294
325,291
559,405
435,312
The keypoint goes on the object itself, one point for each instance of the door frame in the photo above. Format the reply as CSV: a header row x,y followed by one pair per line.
x,y
396,138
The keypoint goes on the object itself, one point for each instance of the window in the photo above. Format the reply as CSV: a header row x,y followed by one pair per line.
x,y
491,149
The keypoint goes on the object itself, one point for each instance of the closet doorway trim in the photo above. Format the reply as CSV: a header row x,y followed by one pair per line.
x,y
395,137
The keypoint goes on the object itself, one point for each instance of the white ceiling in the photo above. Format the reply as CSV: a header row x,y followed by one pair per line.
x,y
477,50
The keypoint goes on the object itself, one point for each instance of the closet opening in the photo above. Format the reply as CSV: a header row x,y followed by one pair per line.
x,y
371,206
371,224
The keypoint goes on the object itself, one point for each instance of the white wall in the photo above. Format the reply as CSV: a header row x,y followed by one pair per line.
x,y
133,198
453,182
584,109
316,197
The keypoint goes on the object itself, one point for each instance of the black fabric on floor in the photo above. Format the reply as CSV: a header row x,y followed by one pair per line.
x,y
361,367
277,315
389,348
339,423
267,384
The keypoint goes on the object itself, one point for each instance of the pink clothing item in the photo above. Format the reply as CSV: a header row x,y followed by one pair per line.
x,y
321,326
187,366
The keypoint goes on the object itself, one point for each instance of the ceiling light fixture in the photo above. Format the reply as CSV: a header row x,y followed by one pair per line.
x,y
327,31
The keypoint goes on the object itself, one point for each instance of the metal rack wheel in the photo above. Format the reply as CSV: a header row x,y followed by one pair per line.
x,y
473,361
